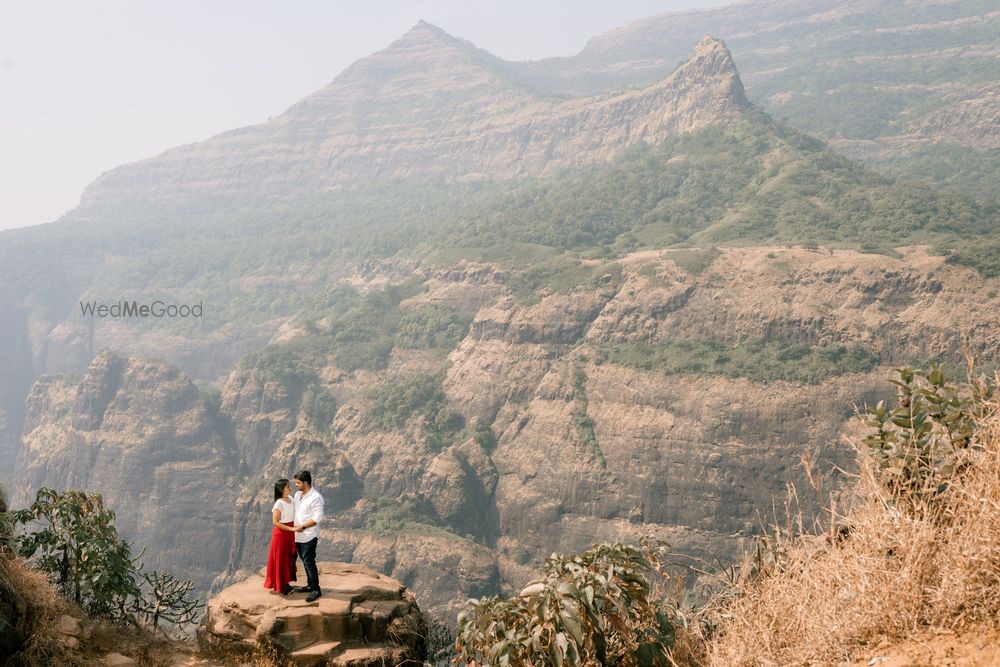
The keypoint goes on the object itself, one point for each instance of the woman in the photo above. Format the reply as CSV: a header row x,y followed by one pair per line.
x,y
281,557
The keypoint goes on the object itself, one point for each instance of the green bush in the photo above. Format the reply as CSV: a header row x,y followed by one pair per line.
x,y
286,363
319,407
928,438
694,260
432,326
391,516
589,608
562,274
77,546
484,436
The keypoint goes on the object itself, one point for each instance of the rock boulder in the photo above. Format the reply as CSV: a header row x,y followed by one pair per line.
x,y
364,618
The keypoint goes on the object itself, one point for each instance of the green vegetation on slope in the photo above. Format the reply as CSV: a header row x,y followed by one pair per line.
x,y
752,181
757,361
390,516
393,404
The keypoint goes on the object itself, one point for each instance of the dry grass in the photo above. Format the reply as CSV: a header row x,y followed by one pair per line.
x,y
878,572
42,606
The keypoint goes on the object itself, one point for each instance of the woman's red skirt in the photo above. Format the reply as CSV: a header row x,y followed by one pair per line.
x,y
280,559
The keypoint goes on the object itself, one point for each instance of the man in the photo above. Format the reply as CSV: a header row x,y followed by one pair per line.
x,y
308,514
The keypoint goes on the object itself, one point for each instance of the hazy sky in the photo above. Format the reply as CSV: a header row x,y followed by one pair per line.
x,y
88,85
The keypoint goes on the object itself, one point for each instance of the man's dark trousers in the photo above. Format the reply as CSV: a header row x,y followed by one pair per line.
x,y
307,552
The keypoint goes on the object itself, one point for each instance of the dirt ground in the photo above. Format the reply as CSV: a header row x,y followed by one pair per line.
x,y
969,649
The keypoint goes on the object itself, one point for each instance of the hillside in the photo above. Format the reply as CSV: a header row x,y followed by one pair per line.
x,y
427,106
464,428
908,86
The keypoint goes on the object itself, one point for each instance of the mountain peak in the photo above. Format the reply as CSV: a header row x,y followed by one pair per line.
x,y
432,106
712,61
710,44
428,35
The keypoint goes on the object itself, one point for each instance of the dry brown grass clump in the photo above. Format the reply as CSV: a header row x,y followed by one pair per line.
x,y
888,567
30,591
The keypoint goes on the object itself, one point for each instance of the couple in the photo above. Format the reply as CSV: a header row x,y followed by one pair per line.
x,y
296,530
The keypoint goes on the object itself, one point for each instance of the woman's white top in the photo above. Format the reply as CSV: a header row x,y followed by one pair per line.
x,y
287,508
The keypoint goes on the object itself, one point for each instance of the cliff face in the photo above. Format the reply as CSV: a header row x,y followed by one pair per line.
x,y
430,106
586,449
16,374
695,459
137,432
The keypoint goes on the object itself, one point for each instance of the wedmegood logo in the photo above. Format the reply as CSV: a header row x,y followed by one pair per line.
x,y
135,309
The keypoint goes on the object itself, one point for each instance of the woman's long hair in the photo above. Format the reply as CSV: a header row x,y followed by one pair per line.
x,y
279,488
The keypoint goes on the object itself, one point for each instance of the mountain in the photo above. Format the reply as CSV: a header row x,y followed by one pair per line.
x,y
430,106
495,321
909,86
462,429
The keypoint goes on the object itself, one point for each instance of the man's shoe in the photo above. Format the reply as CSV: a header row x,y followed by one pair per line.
x,y
313,596
302,589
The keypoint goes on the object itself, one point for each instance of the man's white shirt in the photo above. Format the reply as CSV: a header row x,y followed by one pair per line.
x,y
308,506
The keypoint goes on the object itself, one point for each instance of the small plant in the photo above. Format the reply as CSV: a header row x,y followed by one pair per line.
x,y
439,639
392,405
6,526
391,516
484,436
927,439
166,599
432,326
319,407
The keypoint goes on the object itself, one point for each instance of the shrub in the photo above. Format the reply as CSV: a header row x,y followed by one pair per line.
x,y
483,434
590,608
440,641
283,363
78,548
391,516
919,446
432,326
759,361
319,407
695,260
166,598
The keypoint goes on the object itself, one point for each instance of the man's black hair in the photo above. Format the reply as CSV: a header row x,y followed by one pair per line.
x,y
279,488
304,476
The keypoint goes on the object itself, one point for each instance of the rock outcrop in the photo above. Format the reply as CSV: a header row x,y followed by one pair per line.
x,y
138,432
363,619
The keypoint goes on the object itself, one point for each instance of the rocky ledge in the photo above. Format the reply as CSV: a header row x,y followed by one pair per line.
x,y
363,619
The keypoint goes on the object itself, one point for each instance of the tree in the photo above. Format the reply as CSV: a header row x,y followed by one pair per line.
x,y
77,545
